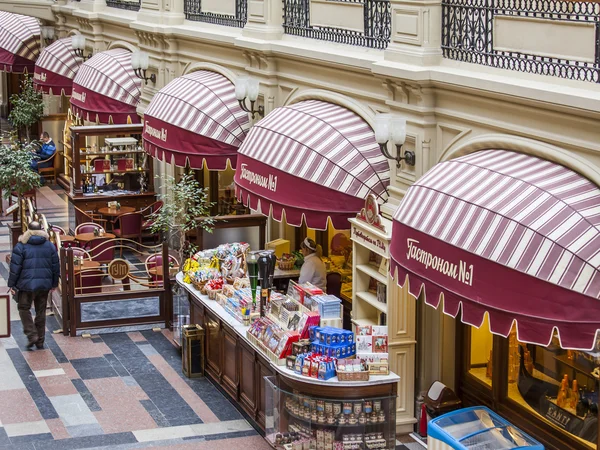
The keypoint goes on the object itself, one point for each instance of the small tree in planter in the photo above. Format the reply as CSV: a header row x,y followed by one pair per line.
x,y
185,208
27,107
15,172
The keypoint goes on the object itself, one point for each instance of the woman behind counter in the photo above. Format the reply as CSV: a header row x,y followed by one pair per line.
x,y
313,270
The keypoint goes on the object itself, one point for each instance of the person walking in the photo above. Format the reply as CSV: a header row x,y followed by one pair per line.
x,y
34,271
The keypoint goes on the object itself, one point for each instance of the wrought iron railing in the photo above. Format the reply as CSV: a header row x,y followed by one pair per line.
x,y
193,11
124,4
468,35
377,24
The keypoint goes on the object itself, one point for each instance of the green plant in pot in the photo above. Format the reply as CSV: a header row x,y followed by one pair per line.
x,y
16,175
185,208
27,107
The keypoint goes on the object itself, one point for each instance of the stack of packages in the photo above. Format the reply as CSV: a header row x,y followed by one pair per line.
x,y
314,365
372,347
329,307
239,304
333,342
272,337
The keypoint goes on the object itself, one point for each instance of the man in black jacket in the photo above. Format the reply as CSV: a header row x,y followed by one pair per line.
x,y
34,271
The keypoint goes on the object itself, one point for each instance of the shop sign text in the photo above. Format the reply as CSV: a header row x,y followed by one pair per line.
x,y
460,271
155,132
79,96
366,238
266,182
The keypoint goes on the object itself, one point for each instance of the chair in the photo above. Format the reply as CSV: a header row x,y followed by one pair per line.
x,y
334,284
52,171
82,217
102,249
58,230
129,226
89,281
81,253
156,261
88,227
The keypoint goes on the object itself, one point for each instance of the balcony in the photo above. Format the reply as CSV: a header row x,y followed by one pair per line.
x,y
365,23
544,37
231,13
124,4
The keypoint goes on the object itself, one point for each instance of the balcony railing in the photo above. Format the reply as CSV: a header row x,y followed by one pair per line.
x,y
124,4
371,27
470,33
193,11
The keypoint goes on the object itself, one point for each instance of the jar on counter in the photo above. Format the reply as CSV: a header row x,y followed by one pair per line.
x,y
362,419
337,409
357,408
352,420
376,405
347,408
368,407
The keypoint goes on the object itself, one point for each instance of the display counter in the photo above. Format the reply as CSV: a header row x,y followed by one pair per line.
x,y
240,368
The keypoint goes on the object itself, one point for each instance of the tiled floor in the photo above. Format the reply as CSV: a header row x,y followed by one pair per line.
x,y
117,390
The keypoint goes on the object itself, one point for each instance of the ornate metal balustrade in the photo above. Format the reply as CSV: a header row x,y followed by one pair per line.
x,y
377,24
468,35
124,4
193,11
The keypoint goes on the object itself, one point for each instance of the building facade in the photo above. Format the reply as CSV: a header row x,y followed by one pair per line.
x,y
465,75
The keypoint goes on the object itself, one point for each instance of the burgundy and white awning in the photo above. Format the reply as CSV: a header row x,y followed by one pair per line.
x,y
106,90
56,67
19,42
196,118
314,160
508,234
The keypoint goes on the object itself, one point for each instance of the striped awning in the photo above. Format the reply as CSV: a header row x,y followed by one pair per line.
x,y
314,160
507,234
19,42
56,67
196,118
106,90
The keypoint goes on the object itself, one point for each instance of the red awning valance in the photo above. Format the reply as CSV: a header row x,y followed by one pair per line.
x,y
19,42
106,90
506,234
195,119
56,68
314,160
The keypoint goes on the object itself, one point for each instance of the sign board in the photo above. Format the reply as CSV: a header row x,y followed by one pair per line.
x,y
4,315
370,213
118,269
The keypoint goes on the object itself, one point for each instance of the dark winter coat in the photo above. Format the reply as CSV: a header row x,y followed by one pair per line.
x,y
34,263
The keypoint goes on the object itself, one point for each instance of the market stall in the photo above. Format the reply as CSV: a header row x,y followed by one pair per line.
x,y
283,356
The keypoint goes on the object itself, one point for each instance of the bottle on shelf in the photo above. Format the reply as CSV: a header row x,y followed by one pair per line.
x,y
562,395
574,395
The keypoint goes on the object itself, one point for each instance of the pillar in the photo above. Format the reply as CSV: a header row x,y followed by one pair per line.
x,y
416,32
265,19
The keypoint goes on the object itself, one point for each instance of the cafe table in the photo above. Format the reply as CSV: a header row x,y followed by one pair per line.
x,y
158,271
86,264
114,212
84,238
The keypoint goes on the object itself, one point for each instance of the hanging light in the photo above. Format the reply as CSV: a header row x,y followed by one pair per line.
x,y
47,34
248,88
78,45
140,61
392,128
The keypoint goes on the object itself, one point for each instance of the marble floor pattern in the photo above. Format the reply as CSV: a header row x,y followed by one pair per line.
x,y
118,390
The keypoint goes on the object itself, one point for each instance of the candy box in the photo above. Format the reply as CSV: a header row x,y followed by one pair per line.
x,y
290,362
380,344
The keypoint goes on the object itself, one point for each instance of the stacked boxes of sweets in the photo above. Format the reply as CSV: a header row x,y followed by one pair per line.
x,y
271,337
372,348
333,342
313,365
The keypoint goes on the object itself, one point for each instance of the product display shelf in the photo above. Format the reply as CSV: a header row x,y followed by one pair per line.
x,y
371,299
373,271
349,421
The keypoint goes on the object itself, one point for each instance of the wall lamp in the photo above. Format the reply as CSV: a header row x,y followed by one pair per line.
x,y
47,34
247,87
140,62
78,44
393,128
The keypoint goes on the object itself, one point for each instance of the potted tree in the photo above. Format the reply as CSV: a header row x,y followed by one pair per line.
x,y
185,208
27,108
17,177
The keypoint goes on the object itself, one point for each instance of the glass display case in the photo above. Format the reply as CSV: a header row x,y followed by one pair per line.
x,y
298,421
181,312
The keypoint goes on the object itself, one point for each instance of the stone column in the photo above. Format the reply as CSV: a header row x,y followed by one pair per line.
x,y
265,19
161,12
416,32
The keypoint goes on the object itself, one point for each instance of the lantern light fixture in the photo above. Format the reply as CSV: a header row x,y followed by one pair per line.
x,y
248,88
78,45
140,61
47,34
392,128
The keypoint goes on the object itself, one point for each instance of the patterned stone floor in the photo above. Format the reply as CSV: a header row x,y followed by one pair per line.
x,y
117,391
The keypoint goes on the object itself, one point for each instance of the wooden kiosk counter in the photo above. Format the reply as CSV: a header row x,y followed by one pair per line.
x,y
107,163
283,402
